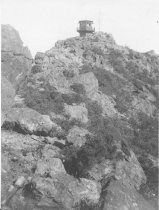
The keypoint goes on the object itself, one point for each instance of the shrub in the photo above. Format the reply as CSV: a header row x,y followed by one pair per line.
x,y
36,69
100,144
98,51
94,109
72,98
108,83
123,101
145,133
85,68
68,74
44,102
78,88
116,59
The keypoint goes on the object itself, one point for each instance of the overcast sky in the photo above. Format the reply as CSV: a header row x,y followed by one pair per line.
x,y
42,22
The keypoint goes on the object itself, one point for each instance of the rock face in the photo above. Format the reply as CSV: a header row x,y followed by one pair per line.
x,y
16,58
83,130
16,61
29,121
78,112
120,197
7,96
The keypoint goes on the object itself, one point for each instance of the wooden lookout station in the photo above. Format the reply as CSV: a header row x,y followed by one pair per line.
x,y
85,27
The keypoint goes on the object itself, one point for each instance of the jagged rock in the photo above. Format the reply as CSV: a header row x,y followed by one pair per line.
x,y
51,167
120,197
50,151
87,189
105,169
130,172
77,136
20,181
78,112
83,84
89,81
29,121
145,106
11,41
106,103
17,141
39,57
68,191
16,58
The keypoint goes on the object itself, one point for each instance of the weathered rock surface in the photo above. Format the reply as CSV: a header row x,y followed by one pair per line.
x,y
91,120
123,198
50,167
7,97
29,121
16,59
130,172
68,191
78,112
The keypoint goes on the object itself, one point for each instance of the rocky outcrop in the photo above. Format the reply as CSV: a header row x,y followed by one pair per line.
x,y
68,192
83,127
50,167
123,198
29,121
16,59
7,97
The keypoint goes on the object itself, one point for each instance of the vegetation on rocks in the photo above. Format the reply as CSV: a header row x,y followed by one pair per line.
x,y
85,135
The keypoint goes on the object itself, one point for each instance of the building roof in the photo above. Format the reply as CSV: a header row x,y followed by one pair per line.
x,y
86,21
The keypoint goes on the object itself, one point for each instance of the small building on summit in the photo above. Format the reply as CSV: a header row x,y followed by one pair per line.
x,y
85,27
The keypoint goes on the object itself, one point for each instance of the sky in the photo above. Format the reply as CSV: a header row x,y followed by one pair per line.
x,y
133,23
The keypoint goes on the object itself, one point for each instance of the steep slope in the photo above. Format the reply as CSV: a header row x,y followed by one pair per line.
x,y
15,57
92,113
16,60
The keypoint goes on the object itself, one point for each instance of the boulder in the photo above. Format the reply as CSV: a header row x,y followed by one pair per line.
x,y
89,81
50,151
130,172
50,168
120,197
78,112
68,191
18,142
102,170
29,121
85,190
106,102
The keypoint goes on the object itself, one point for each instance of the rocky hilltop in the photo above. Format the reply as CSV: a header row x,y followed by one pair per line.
x,y
83,134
